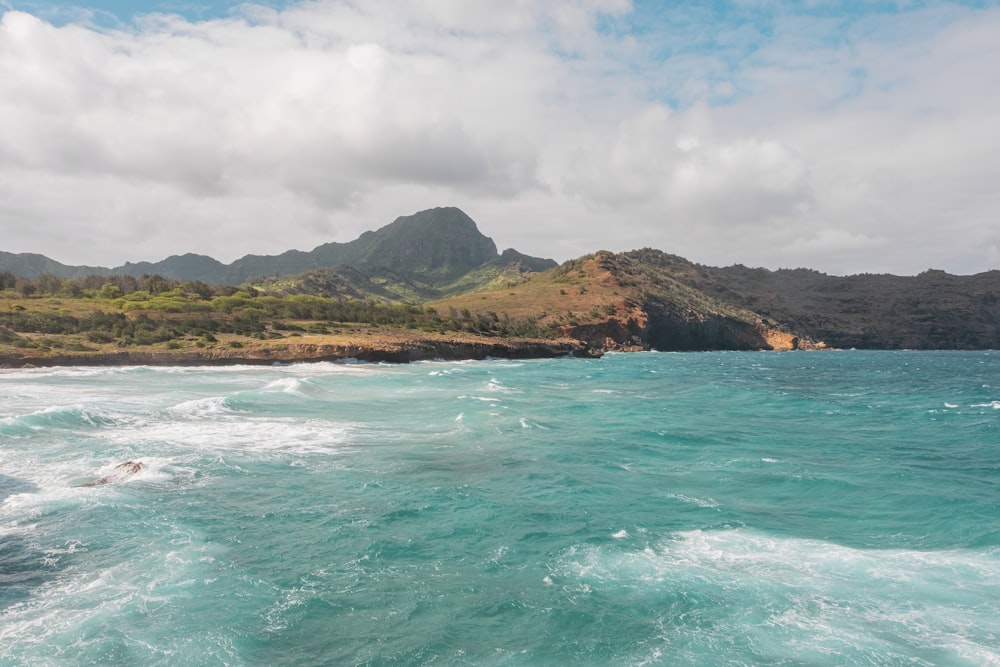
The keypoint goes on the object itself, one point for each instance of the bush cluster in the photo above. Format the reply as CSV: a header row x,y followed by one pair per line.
x,y
152,309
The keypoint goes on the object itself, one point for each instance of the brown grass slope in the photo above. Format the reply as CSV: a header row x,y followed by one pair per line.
x,y
627,301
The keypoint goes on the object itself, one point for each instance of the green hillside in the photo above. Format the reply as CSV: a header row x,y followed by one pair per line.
x,y
424,255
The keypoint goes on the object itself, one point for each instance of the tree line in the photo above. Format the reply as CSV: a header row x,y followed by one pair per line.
x,y
151,309
88,287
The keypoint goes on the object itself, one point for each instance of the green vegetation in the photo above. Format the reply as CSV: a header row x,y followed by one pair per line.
x,y
127,311
427,255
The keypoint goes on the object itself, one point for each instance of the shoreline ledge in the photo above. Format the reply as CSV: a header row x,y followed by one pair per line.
x,y
387,347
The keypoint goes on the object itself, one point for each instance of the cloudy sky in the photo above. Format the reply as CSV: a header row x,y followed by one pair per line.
x,y
846,136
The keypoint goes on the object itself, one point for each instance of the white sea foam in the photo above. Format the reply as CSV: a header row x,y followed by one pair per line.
x,y
495,385
525,424
210,407
831,596
287,385
708,503
66,610
60,483
155,469
51,489
484,399
342,367
73,372
444,372
210,426
304,387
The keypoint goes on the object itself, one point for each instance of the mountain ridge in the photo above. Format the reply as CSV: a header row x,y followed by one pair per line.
x,y
641,299
435,246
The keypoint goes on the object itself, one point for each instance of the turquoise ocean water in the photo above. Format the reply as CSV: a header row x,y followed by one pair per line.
x,y
834,508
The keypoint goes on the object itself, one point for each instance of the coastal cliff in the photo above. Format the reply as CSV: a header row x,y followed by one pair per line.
x,y
632,301
930,311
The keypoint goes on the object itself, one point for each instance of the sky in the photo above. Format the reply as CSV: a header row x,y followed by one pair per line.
x,y
847,137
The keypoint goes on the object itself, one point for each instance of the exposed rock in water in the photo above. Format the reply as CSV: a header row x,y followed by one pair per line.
x,y
122,472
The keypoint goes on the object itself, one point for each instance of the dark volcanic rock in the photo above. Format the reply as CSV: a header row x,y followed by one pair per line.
x,y
931,311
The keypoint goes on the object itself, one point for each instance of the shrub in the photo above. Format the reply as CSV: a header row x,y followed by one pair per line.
x,y
100,337
109,291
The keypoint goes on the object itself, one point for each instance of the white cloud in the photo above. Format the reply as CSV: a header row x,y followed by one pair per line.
x,y
844,143
230,109
656,155
748,181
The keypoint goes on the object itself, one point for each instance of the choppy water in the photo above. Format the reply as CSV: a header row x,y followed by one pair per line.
x,y
646,509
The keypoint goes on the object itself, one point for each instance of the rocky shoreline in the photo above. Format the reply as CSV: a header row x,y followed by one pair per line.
x,y
401,347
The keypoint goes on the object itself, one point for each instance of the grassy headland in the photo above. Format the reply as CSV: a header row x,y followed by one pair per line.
x,y
123,320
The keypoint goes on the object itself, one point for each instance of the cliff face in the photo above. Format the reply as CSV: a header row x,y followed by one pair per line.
x,y
632,301
931,311
676,305
670,332
704,331
679,317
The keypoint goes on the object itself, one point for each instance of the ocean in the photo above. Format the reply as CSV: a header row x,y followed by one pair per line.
x,y
802,508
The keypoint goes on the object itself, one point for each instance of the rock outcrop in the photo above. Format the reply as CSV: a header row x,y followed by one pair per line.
x,y
634,301
931,311
122,472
